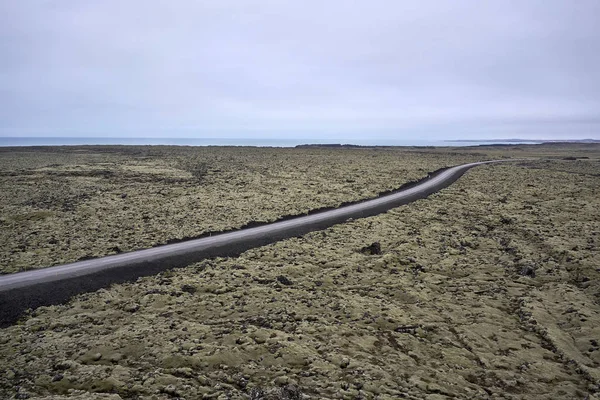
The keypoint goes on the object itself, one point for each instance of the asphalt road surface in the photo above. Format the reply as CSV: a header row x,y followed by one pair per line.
x,y
54,285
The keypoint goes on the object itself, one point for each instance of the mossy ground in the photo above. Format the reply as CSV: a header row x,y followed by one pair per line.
x,y
487,289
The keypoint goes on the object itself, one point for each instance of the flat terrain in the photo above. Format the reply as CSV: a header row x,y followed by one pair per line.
x,y
64,204
487,289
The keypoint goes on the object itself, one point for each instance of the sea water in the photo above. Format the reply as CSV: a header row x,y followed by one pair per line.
x,y
258,142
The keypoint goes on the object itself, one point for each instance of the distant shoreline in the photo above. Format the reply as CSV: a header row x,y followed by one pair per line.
x,y
262,142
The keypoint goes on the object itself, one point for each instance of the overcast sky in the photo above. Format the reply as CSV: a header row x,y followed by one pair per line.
x,y
340,68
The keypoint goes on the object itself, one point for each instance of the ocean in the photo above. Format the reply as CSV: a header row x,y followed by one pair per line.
x,y
263,142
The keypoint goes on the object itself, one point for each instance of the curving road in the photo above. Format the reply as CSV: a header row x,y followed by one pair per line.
x,y
54,285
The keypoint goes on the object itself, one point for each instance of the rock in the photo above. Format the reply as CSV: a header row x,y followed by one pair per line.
x,y
241,382
257,393
260,336
344,362
281,380
171,390
291,392
411,329
184,372
66,364
372,249
131,307
241,340
189,289
527,271
284,281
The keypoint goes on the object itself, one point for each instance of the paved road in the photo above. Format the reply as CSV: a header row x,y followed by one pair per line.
x,y
54,285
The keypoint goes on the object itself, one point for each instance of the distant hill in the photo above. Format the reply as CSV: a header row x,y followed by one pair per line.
x,y
524,141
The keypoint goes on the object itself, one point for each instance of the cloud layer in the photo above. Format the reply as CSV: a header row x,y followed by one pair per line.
x,y
427,69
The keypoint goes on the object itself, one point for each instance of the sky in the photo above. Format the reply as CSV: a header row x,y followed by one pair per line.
x,y
339,69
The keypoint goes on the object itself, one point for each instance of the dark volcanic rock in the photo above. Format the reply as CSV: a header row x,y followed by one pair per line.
x,y
373,249
188,288
527,271
291,392
284,281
